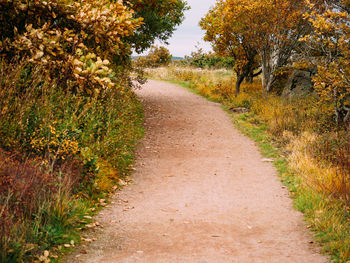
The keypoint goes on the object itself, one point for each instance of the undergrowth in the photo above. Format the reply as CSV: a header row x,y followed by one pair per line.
x,y
310,152
61,153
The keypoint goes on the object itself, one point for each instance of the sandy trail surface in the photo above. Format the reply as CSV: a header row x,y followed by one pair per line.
x,y
201,193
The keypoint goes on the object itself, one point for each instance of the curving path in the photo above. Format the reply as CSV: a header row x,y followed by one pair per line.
x,y
200,193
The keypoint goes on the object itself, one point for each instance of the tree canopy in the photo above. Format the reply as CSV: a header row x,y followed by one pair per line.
x,y
264,32
160,19
75,42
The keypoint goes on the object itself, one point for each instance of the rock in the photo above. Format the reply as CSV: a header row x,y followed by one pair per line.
x,y
239,110
267,160
299,83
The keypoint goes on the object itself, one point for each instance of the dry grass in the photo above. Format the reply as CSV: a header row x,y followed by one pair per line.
x,y
324,178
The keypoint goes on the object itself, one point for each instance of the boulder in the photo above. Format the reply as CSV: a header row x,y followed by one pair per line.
x,y
299,83
239,110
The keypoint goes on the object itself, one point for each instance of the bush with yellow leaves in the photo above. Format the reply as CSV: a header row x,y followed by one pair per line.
x,y
76,41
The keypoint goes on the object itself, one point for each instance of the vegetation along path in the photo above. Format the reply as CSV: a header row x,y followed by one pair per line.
x,y
201,193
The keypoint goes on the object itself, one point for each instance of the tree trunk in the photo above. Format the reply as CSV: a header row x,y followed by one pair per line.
x,y
269,83
264,75
252,75
239,80
267,73
250,78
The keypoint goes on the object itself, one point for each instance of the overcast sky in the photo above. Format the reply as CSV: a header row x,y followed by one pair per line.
x,y
187,36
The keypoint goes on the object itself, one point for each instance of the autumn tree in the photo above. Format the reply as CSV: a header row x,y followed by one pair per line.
x,y
249,30
277,27
329,51
228,39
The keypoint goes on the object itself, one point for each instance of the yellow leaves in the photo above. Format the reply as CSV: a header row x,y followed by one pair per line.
x,y
329,38
104,18
45,257
252,21
82,49
54,143
38,55
301,65
94,69
29,27
23,7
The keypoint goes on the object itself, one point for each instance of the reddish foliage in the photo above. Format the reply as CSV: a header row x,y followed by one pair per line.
x,y
24,186
21,184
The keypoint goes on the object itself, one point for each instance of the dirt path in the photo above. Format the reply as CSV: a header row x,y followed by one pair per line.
x,y
201,193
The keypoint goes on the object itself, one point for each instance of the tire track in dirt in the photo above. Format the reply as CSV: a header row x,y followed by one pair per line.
x,y
200,193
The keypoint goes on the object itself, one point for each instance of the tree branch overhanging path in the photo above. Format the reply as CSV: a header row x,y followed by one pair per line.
x,y
201,193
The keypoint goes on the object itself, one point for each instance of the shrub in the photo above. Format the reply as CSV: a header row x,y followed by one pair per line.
x,y
76,43
157,57
200,59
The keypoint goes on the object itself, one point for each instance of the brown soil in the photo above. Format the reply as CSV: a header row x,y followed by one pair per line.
x,y
201,193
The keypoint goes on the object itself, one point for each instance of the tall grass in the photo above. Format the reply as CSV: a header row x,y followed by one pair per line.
x,y
60,150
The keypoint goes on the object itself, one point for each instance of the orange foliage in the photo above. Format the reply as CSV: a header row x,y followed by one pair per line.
x,y
329,40
266,31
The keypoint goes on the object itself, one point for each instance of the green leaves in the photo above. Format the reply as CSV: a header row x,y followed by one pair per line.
x,y
160,19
